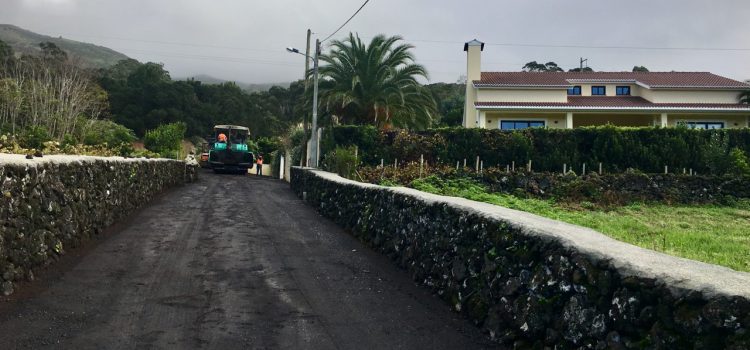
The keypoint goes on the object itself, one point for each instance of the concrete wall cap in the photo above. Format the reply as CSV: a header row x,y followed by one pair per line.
x,y
20,159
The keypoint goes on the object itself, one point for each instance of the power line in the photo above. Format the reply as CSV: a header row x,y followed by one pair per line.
x,y
347,21
213,58
175,43
580,46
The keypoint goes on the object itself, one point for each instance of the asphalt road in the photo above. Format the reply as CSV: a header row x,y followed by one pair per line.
x,y
229,262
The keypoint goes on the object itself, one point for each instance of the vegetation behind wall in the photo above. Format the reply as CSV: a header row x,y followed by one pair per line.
x,y
618,149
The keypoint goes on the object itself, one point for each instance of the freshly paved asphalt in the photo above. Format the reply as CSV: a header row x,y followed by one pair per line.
x,y
229,262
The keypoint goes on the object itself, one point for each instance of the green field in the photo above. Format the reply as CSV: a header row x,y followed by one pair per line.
x,y
709,233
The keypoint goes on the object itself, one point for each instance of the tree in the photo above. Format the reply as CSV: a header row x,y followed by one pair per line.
x,y
745,97
166,139
375,83
50,51
533,66
640,69
6,52
584,69
48,92
450,102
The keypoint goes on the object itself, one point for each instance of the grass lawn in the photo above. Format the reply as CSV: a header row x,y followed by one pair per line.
x,y
709,233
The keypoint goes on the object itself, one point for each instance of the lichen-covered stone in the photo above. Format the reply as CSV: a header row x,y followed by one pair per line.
x,y
530,289
55,203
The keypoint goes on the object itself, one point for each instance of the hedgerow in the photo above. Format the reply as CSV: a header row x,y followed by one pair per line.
x,y
618,149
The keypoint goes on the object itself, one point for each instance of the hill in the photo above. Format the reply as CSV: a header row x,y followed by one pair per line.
x,y
207,79
27,42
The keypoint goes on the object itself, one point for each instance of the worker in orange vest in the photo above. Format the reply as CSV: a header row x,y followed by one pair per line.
x,y
259,166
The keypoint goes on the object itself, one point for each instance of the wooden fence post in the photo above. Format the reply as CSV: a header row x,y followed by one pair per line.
x,y
513,166
476,167
528,166
666,170
584,169
565,168
421,165
600,168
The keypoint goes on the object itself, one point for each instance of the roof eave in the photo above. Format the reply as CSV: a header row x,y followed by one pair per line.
x,y
673,87
517,86
618,108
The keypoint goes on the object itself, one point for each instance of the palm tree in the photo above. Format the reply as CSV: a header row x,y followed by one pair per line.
x,y
376,83
745,97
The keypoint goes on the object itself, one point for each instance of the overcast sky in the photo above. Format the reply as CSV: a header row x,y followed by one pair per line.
x,y
245,40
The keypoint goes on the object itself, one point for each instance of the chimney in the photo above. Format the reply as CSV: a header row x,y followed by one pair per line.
x,y
473,50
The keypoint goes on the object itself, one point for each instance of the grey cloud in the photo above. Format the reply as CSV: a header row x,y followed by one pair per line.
x,y
245,40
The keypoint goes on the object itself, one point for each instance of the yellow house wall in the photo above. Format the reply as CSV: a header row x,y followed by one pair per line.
x,y
690,96
611,89
593,119
522,95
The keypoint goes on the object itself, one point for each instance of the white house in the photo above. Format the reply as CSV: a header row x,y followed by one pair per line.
x,y
517,100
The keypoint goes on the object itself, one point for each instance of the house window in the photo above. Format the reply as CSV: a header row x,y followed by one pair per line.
x,y
574,90
598,90
705,125
623,90
520,124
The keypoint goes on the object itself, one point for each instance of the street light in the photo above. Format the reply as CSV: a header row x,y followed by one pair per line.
x,y
314,137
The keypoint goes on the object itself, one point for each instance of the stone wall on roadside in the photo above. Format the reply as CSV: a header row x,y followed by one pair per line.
x,y
532,282
607,189
54,203
623,188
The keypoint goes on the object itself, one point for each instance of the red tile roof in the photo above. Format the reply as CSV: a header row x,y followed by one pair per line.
x,y
615,102
649,79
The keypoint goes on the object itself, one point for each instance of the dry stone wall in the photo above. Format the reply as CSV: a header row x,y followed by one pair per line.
x,y
54,203
535,283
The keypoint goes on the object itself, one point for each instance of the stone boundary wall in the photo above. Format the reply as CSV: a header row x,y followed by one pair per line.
x,y
623,188
607,189
532,282
54,203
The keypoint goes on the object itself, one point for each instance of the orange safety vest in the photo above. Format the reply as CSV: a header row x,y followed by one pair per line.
x,y
259,161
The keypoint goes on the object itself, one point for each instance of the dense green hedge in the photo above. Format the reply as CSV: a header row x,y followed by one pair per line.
x,y
646,149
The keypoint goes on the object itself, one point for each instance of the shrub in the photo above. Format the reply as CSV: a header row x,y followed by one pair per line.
x,y
100,132
166,139
34,137
342,161
738,162
267,145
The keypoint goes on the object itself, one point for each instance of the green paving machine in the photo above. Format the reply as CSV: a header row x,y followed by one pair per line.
x,y
229,151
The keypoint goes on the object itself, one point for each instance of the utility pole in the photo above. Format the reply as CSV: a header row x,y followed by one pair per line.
x,y
303,160
582,61
313,159
307,53
314,138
